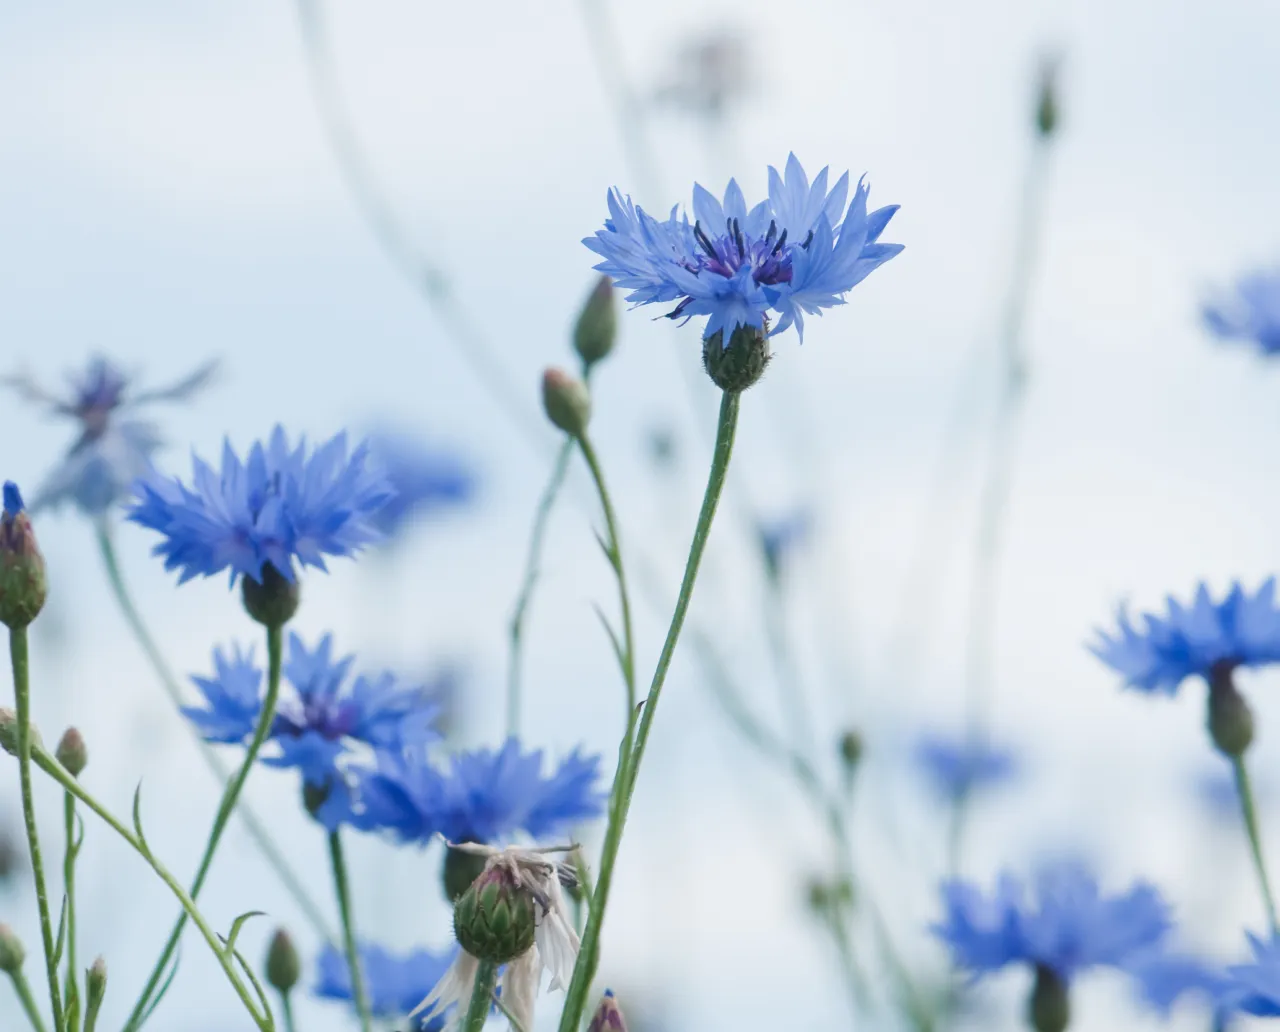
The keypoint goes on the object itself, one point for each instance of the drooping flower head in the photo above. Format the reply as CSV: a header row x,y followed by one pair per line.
x,y
325,723
424,480
955,767
394,984
279,506
1251,311
113,448
800,251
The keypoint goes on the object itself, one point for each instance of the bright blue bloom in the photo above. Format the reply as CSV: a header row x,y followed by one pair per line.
x,y
798,252
1241,630
1070,928
1252,313
485,796
278,506
957,766
322,723
112,450
395,985
12,499
423,480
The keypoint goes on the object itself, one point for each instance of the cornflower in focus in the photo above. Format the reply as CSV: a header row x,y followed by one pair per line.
x,y
424,481
113,448
1250,311
955,767
395,985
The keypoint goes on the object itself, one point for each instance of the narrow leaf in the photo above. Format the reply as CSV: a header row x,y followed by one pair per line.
x,y
61,940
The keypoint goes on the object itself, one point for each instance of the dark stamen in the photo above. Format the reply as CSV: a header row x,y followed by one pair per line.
x,y
781,241
808,240
737,239
773,231
704,241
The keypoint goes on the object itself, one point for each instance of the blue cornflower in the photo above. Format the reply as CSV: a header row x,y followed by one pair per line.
x,y
278,506
780,537
1252,312
1070,928
1208,636
1163,978
798,252
112,449
319,727
485,796
1255,988
423,480
395,985
955,767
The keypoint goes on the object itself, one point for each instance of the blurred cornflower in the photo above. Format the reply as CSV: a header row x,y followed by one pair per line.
x,y
113,447
394,985
325,723
278,506
1255,988
781,536
1165,977
483,796
798,252
424,480
955,767
1250,312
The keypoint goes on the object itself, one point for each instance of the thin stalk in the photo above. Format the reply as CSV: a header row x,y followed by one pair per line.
x,y
343,889
28,1002
225,809
629,765
22,694
286,1008
481,997
69,887
258,832
1248,811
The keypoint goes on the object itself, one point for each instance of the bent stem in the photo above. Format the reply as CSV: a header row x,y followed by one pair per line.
x,y
481,995
1249,812
624,782
28,1002
225,809
343,889
257,829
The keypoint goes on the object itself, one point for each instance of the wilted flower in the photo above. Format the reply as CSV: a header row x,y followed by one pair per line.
x,y
393,984
957,766
1250,312
113,448
423,480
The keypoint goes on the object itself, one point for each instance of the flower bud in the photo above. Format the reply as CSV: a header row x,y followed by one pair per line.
x,y
12,953
494,920
741,363
566,401
1230,719
95,980
597,325
23,587
9,732
1049,1008
273,601
1047,98
283,966
850,751
460,869
71,752
608,1016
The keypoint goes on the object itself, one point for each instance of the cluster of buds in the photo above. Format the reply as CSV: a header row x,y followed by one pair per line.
x,y
566,399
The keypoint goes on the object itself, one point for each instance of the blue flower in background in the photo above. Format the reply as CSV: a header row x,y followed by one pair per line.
x,y
798,252
1164,978
423,480
1070,927
1239,631
279,506
322,722
484,796
1255,988
395,985
1252,312
779,538
955,767
112,449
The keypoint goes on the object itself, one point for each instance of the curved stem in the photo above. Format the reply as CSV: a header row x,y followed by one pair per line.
x,y
28,1002
1250,814
225,809
22,696
343,889
624,782
253,824
69,887
481,997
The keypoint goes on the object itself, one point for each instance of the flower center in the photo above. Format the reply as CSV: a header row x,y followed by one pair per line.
x,y
768,259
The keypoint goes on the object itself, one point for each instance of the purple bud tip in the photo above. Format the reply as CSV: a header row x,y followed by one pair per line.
x,y
12,499
609,993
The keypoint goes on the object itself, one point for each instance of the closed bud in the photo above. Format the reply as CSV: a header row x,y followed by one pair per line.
x,y
95,981
71,752
9,732
608,1016
283,966
23,587
597,325
494,920
567,401
1230,719
735,366
274,600
1049,1008
850,750
1047,98
12,953
459,871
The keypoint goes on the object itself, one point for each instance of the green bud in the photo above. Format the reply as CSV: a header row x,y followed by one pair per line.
x,y
95,980
273,601
494,919
72,752
283,966
742,363
1047,98
1230,719
566,401
608,1016
597,326
1049,1008
9,732
460,869
23,586
850,751
12,953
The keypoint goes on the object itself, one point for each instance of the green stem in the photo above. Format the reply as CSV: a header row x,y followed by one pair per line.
x,y
286,1008
229,798
28,1002
629,759
1250,814
343,889
69,887
253,824
62,776
481,997
22,695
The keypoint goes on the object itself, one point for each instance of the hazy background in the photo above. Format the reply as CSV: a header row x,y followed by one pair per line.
x,y
168,194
